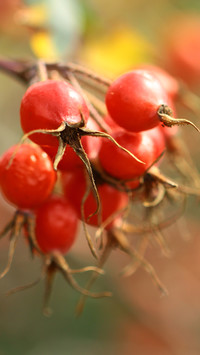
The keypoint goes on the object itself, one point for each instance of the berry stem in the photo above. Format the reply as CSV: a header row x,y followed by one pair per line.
x,y
78,69
18,223
103,258
93,112
86,132
170,121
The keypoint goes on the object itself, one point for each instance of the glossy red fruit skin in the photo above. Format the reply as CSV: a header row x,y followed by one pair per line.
x,y
120,164
158,139
69,161
30,179
56,225
170,83
133,100
112,200
47,104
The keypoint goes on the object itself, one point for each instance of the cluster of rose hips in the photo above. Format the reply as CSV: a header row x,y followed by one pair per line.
x,y
92,162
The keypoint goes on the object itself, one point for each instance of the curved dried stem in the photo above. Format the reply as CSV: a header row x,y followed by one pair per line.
x,y
170,121
41,70
78,69
128,249
158,199
84,291
104,256
86,269
54,132
87,132
158,176
98,104
79,150
181,159
30,225
65,270
159,238
12,247
132,229
7,228
87,234
50,274
93,112
110,219
18,69
60,152
18,223
132,267
23,287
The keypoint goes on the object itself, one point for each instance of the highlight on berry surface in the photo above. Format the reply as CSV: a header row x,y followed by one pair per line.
x,y
105,154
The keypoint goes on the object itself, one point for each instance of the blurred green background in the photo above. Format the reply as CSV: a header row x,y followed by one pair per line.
x,y
108,37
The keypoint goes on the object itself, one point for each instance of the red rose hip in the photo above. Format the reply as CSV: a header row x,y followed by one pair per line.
x,y
27,179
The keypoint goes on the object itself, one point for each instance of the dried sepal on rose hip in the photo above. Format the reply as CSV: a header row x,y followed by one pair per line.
x,y
114,204
76,188
27,178
70,160
54,113
137,101
56,225
115,238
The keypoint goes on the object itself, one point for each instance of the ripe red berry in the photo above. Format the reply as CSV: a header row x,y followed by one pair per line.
x,y
170,84
28,179
112,200
48,104
119,164
56,225
133,100
157,136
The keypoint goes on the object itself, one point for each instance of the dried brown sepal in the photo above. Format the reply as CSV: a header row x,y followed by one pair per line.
x,y
123,213
168,183
20,220
161,241
133,253
15,227
22,70
87,132
110,244
157,199
78,69
63,267
132,267
87,234
164,113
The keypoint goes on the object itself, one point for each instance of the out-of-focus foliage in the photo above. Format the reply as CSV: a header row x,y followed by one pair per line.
x,y
110,37
116,51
